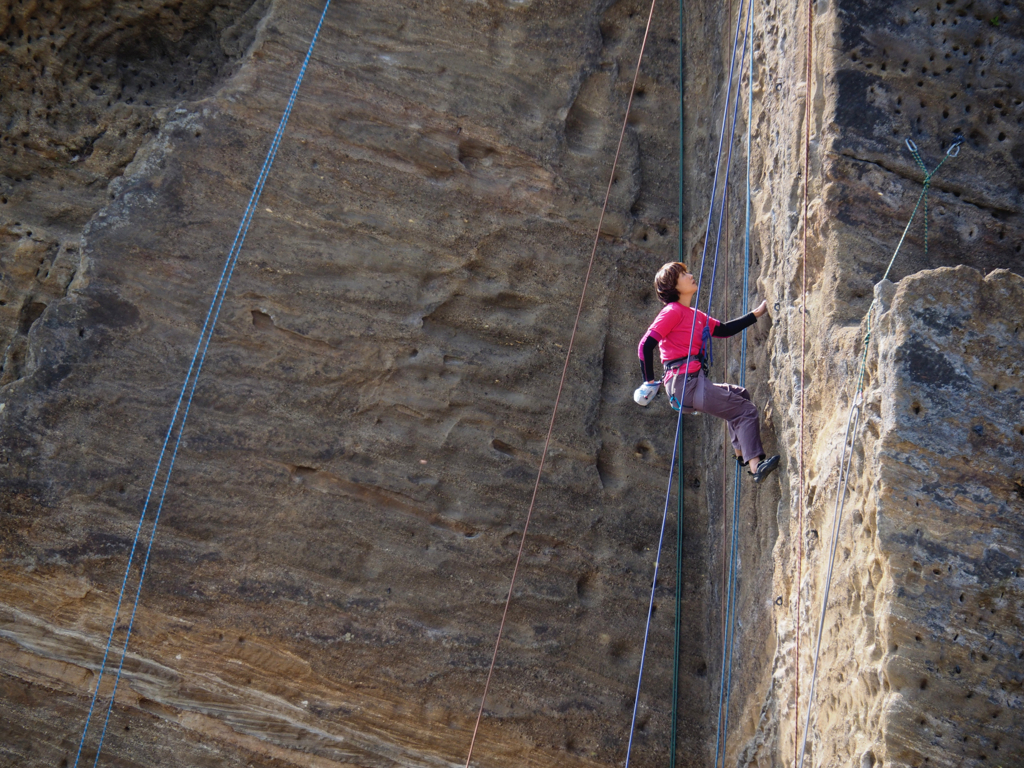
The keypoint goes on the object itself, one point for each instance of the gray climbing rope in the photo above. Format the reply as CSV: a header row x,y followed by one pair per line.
x,y
850,437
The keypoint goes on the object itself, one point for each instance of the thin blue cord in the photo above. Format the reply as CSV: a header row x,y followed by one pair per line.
x,y
152,485
721,138
728,162
654,584
725,682
734,589
206,336
722,733
714,185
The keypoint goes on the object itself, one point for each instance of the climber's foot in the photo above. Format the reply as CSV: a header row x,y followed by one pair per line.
x,y
765,468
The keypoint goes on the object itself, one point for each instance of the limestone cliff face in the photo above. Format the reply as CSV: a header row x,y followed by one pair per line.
x,y
335,548
917,557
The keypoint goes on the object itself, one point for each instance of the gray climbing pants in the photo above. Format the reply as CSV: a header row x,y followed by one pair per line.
x,y
726,401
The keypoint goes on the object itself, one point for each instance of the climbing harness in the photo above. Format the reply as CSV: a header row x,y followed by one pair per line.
x,y
850,436
558,395
697,398
189,386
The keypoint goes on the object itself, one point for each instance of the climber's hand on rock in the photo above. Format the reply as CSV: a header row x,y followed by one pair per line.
x,y
761,309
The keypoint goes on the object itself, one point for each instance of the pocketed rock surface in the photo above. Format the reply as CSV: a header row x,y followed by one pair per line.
x,y
335,547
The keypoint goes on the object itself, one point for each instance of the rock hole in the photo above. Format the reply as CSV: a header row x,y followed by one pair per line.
x,y
917,638
618,649
30,312
502,447
583,585
916,408
262,321
868,760
923,684
961,598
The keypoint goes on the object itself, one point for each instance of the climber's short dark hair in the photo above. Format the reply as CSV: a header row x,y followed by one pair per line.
x,y
666,279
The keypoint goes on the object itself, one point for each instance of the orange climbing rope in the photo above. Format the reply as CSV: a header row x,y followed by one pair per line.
x,y
561,384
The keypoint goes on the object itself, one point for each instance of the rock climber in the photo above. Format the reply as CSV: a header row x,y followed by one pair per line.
x,y
682,355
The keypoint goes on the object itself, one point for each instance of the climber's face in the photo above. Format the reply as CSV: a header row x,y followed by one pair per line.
x,y
686,284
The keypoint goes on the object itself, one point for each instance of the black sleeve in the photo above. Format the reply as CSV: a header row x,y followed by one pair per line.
x,y
647,361
725,330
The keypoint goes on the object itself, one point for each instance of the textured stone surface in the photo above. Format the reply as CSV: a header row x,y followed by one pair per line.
x,y
339,534
337,541
883,73
920,655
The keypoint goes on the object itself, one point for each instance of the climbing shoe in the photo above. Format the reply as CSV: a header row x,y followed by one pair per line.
x,y
765,468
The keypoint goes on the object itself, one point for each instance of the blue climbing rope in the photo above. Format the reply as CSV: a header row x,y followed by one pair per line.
x,y
725,683
706,344
679,420
192,375
728,168
654,584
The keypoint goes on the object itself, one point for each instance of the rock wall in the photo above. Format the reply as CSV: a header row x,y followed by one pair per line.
x,y
883,73
335,548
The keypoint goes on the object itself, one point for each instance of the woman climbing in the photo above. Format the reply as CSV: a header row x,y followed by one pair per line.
x,y
682,354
